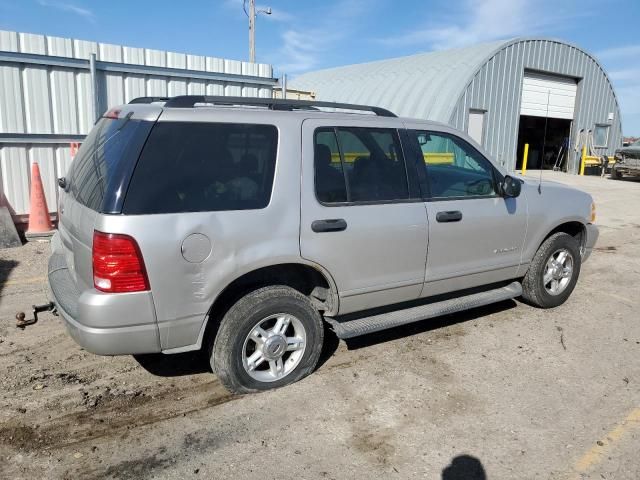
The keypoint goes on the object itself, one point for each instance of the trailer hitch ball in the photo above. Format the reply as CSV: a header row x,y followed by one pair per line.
x,y
22,322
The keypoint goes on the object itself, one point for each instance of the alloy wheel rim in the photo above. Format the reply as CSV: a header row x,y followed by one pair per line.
x,y
274,347
558,272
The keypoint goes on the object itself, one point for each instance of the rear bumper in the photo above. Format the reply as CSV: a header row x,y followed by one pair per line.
x,y
592,234
105,324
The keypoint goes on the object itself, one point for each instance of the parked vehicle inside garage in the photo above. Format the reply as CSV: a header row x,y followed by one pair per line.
x,y
238,225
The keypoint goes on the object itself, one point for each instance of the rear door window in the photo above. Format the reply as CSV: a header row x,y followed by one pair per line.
x,y
113,145
356,164
198,167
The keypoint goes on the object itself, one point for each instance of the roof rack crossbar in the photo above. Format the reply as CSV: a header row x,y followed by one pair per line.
x,y
149,99
189,101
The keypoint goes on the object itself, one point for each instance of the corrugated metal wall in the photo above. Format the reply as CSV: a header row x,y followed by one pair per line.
x,y
46,97
497,89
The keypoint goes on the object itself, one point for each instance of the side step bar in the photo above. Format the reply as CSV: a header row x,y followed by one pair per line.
x,y
375,323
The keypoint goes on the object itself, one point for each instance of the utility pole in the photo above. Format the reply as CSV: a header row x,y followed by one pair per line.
x,y
252,31
252,14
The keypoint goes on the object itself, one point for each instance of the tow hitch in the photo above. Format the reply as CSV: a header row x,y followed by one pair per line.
x,y
21,322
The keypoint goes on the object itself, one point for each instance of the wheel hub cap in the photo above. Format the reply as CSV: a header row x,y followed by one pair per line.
x,y
558,272
274,347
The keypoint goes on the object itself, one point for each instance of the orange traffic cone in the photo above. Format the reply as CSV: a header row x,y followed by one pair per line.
x,y
39,222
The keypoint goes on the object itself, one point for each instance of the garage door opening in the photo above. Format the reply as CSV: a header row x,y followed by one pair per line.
x,y
548,139
546,113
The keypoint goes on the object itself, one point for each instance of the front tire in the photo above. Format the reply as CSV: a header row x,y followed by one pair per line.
x,y
615,174
553,273
270,338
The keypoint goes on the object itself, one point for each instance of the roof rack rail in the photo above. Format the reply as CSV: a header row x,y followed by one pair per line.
x,y
149,99
189,101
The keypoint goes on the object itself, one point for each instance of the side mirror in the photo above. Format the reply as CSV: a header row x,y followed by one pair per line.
x,y
511,187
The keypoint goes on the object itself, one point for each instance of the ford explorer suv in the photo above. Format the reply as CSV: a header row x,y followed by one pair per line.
x,y
242,226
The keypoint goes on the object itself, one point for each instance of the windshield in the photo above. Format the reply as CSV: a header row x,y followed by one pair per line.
x,y
636,143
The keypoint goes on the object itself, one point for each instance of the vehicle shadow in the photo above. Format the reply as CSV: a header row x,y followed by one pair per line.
x,y
428,325
191,363
175,365
464,467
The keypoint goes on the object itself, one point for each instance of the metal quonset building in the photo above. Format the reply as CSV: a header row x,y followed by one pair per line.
x,y
52,89
504,94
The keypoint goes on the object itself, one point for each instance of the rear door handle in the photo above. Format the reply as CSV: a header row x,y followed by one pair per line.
x,y
452,216
329,225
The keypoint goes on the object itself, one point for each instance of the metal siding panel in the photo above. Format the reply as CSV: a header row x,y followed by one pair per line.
x,y
177,86
215,88
15,178
156,58
11,106
233,66
133,55
249,91
156,87
196,62
83,101
83,49
114,89
8,41
36,94
134,86
233,89
32,43
176,60
63,160
108,52
60,47
63,101
215,64
265,92
197,87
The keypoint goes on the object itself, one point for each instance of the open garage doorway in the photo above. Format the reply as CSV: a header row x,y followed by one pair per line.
x,y
548,140
546,112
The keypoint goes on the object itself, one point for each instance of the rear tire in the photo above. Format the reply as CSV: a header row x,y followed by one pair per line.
x,y
270,338
553,273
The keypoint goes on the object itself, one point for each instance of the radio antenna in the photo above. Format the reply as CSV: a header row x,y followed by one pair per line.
x,y
544,142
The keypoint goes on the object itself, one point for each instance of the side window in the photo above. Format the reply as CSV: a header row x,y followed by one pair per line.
x,y
200,167
368,159
329,175
454,168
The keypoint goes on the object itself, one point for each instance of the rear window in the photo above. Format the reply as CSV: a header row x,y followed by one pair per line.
x,y
199,167
106,156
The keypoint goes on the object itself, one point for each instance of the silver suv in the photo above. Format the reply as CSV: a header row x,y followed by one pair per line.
x,y
238,226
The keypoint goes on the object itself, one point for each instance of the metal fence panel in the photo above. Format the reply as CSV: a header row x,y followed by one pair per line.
x,y
46,98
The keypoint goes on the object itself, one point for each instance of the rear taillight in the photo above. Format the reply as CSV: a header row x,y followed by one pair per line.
x,y
118,265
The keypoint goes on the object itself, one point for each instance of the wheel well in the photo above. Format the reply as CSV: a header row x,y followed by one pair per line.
x,y
303,278
575,229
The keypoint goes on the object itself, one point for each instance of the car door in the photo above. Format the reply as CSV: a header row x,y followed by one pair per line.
x,y
476,235
362,218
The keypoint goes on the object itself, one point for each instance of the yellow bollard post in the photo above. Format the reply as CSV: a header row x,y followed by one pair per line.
x,y
525,157
582,159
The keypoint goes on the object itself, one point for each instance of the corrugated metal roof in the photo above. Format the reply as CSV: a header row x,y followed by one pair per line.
x,y
426,85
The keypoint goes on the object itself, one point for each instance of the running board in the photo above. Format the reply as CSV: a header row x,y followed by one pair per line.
x,y
375,323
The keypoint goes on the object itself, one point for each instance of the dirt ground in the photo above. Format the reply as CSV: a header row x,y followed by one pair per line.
x,y
501,392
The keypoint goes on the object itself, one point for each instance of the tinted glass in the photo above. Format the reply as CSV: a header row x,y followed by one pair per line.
x,y
329,175
369,158
112,146
195,167
454,168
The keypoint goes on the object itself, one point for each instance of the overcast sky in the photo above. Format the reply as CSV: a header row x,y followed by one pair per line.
x,y
304,35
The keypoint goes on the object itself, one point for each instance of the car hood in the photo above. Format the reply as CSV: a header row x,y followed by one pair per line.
x,y
632,152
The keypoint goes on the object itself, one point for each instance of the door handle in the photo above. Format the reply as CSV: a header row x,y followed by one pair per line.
x,y
329,225
452,216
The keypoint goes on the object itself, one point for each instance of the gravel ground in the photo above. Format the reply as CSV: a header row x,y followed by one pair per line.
x,y
501,392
